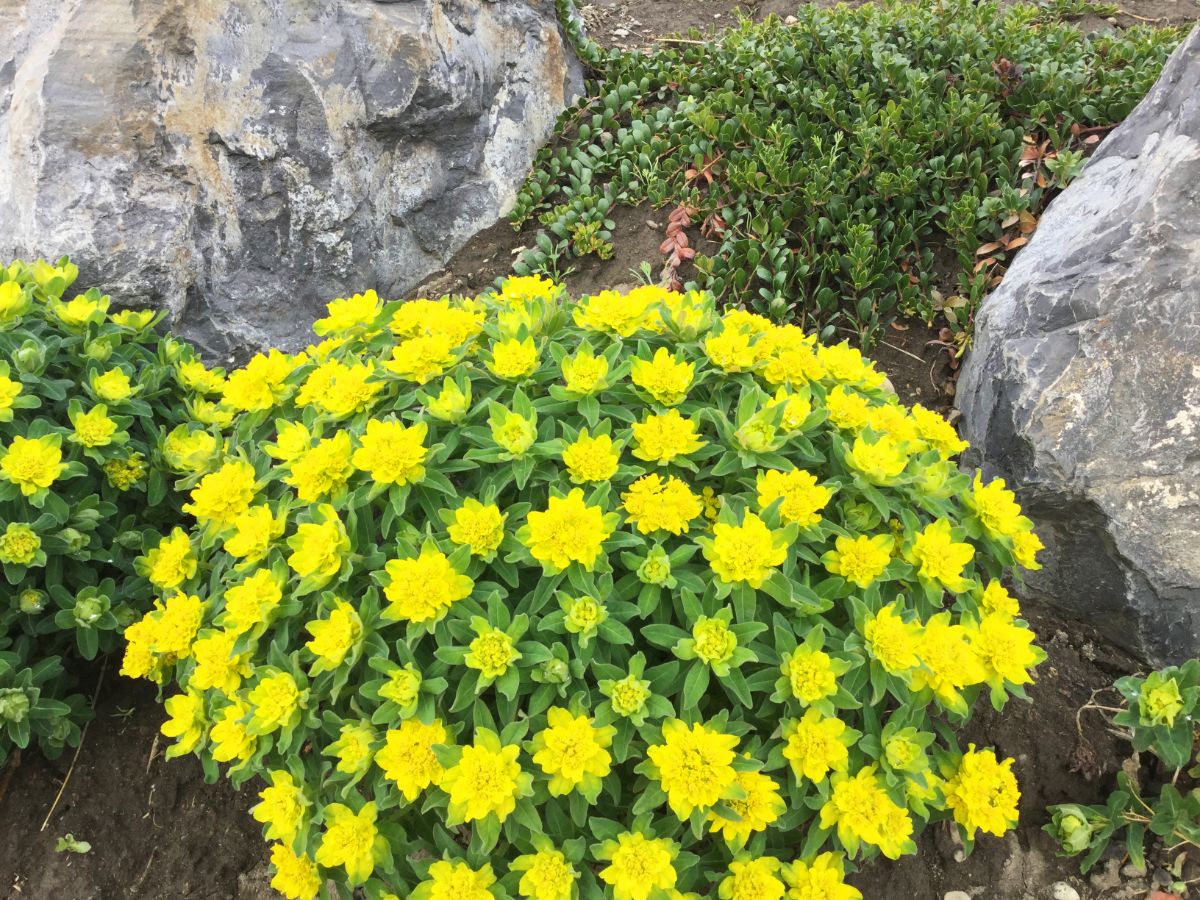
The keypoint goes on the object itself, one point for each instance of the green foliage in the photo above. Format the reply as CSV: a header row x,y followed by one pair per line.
x,y
82,396
1158,716
829,158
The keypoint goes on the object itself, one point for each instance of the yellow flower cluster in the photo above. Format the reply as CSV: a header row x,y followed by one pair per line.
x,y
597,581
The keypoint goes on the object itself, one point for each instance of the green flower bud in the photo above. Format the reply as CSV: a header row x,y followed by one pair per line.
x,y
14,704
98,350
656,568
555,671
30,358
88,610
31,601
75,540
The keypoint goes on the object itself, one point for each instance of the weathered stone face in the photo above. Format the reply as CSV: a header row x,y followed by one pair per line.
x,y
1084,386
240,162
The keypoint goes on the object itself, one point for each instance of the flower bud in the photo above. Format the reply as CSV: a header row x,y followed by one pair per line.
x,y
98,350
30,358
130,540
14,705
88,610
75,540
31,601
555,671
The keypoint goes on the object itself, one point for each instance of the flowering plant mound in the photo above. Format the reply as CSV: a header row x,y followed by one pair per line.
x,y
515,596
83,391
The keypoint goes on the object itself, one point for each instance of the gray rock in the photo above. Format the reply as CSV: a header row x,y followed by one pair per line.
x,y
1060,890
1084,385
239,163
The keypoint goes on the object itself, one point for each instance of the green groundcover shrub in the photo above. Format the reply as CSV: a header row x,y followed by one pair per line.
x,y
514,596
83,393
828,158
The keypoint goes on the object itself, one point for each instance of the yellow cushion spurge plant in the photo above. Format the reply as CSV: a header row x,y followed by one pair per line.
x,y
546,599
86,392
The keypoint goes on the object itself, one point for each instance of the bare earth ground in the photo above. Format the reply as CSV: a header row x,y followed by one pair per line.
x,y
158,832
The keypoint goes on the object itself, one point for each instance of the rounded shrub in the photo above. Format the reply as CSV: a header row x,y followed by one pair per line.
x,y
515,596
83,392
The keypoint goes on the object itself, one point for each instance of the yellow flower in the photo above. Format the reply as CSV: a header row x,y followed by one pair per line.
x,y
881,462
334,637
487,780
752,879
803,498
513,359
747,553
732,350
796,409
1005,649
230,736
281,807
223,495
113,386
817,745
665,378
628,695
1026,545
125,472
760,806
81,310
19,544
948,662
171,563
844,363
251,602
938,557
864,813
208,413
295,875
937,432
546,875
349,841
32,464
655,503
421,317
322,470
93,428
996,599
492,652
995,506
354,748
513,432
133,319
891,640
693,766
821,879
451,403
319,548
14,302
253,533
847,408
660,439
276,700
455,881
982,793
391,453
638,865
291,439
611,312
811,674
424,588
573,751
591,459
403,688
217,666
193,375
713,642
523,288
259,384
422,358
407,756
139,661
479,527
567,531
9,390
185,721
187,451
177,621
585,373
860,560
348,314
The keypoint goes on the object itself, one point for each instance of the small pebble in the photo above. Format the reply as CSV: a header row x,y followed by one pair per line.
x,y
1060,890
957,895
1111,20
790,20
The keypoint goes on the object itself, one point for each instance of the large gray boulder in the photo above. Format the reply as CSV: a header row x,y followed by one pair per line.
x,y
239,162
1084,385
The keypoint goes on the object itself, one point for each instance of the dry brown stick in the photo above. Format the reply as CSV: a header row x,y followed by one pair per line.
x,y
902,350
82,737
